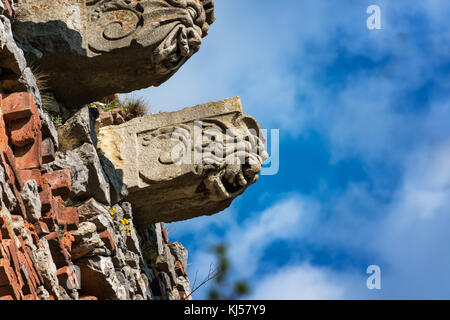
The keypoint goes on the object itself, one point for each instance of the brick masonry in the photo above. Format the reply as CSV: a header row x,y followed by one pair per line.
x,y
21,154
25,146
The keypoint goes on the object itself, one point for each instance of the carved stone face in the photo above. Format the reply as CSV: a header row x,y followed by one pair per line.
x,y
227,155
188,163
173,29
102,47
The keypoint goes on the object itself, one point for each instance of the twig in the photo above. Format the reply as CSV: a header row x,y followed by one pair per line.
x,y
211,275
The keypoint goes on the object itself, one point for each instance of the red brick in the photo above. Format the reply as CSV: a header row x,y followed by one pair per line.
x,y
164,233
3,253
119,119
60,255
179,269
25,175
18,105
12,287
30,157
33,233
9,163
88,298
6,230
59,181
8,7
48,150
106,118
4,265
23,131
67,240
3,134
12,251
68,278
46,196
118,116
27,254
68,217
30,283
107,239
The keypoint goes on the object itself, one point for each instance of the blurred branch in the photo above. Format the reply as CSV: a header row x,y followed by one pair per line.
x,y
212,273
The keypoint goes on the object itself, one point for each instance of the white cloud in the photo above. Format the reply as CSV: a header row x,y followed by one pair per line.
x,y
288,219
271,55
306,282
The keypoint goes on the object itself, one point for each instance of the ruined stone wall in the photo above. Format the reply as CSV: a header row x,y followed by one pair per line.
x,y
65,231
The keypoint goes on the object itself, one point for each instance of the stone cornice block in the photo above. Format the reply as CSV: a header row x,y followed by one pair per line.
x,y
179,165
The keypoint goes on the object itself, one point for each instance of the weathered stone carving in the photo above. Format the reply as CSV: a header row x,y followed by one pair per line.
x,y
100,47
187,163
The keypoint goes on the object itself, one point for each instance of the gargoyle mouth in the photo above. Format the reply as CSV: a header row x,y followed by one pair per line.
x,y
181,43
232,180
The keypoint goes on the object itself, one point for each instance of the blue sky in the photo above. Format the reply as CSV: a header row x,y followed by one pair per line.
x,y
364,146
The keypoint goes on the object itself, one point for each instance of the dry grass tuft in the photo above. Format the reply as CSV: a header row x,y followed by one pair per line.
x,y
134,108
42,79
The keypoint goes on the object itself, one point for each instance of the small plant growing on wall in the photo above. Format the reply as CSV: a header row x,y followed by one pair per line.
x,y
149,253
119,225
131,108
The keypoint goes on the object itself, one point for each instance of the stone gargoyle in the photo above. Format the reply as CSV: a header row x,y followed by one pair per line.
x,y
94,48
184,164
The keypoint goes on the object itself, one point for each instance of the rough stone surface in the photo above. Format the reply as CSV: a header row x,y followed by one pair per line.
x,y
180,253
171,165
86,240
100,279
66,229
79,129
46,266
98,184
78,171
11,57
123,45
30,196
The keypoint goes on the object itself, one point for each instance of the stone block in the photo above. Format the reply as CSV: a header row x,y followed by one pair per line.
x,y
3,133
68,278
23,131
88,298
59,181
30,157
18,105
12,286
31,200
68,216
45,195
60,255
41,228
127,45
67,240
106,118
48,150
184,164
179,269
31,174
8,8
105,236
